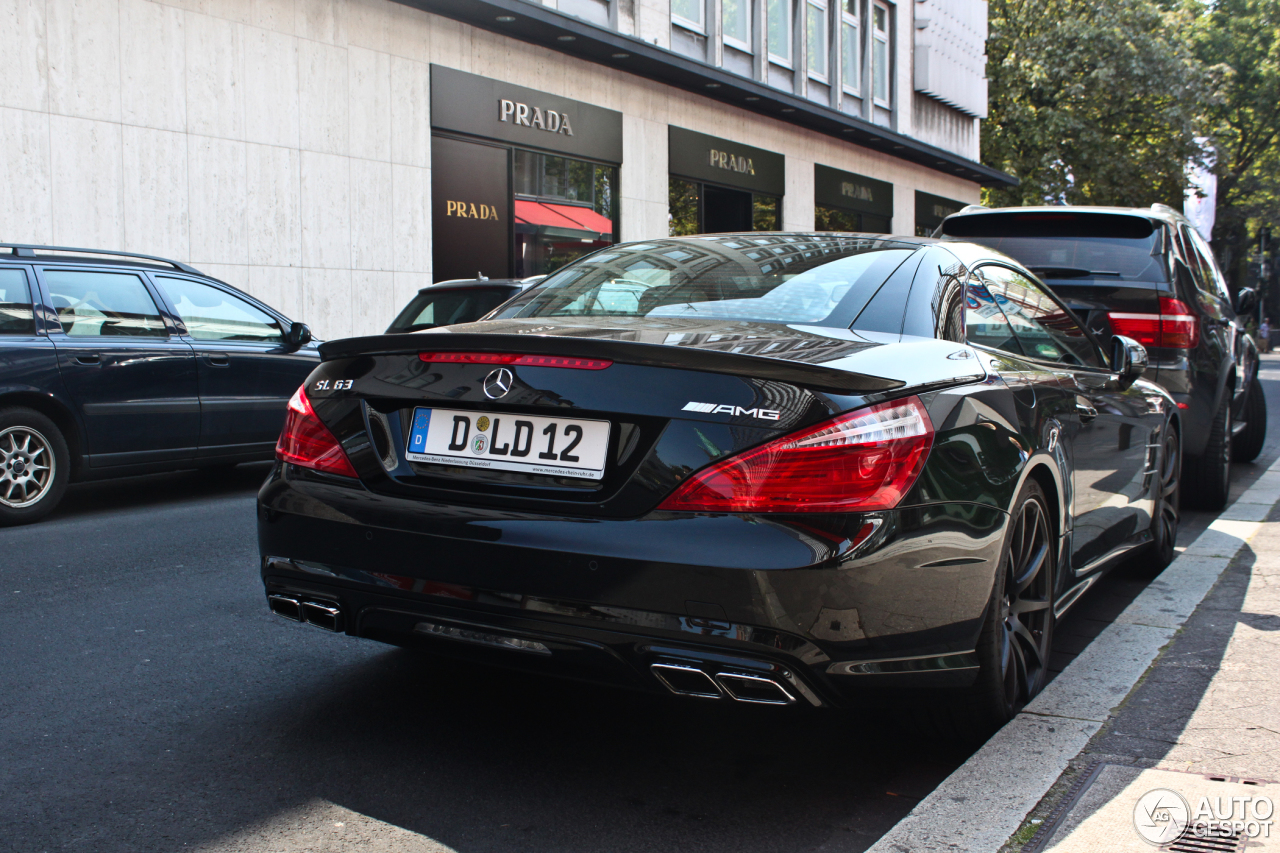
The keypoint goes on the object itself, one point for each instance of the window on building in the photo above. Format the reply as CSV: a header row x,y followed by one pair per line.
x,y
851,46
779,14
564,208
735,19
690,13
818,39
880,65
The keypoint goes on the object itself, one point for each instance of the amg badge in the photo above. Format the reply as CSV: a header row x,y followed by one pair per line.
x,y
714,409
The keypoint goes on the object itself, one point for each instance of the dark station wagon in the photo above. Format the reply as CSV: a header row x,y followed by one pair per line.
x,y
114,364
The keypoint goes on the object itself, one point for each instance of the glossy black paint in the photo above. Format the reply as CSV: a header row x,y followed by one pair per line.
x,y
853,606
129,405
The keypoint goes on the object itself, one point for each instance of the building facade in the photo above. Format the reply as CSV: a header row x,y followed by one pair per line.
x,y
332,157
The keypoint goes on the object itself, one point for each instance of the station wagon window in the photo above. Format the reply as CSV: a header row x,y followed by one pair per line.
x,y
103,304
1043,328
16,316
212,314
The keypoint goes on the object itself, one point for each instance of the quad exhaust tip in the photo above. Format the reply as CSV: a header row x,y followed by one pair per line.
x,y
689,680
322,614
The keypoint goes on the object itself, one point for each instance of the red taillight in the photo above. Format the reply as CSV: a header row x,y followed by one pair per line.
x,y
1175,327
307,442
865,460
518,360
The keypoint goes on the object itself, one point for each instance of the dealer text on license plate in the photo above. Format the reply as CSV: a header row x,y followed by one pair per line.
x,y
557,447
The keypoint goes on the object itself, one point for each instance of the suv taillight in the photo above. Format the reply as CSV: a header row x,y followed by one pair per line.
x,y
306,441
863,460
1175,327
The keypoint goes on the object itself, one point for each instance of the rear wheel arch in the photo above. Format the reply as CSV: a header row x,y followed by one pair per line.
x,y
61,416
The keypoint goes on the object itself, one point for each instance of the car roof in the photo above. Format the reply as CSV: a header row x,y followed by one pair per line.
x,y
1156,212
462,283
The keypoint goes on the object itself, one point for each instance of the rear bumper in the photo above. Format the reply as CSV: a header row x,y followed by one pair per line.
x,y
607,599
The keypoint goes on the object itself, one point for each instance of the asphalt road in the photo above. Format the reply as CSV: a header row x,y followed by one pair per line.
x,y
150,702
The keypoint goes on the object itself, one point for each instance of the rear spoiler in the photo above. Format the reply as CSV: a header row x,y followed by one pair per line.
x,y
813,376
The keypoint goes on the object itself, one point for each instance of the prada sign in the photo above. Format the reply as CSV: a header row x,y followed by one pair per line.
x,y
481,106
932,209
722,161
470,209
845,190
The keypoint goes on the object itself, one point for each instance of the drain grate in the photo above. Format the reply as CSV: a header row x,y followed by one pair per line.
x,y
1222,841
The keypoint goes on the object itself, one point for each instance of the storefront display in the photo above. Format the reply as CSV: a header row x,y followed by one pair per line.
x,y
931,210
845,201
529,206
719,186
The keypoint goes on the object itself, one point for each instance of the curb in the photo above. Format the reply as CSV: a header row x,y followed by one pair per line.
x,y
980,805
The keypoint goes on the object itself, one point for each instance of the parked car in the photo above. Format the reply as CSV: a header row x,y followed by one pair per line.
x,y
793,468
114,363
462,300
1147,274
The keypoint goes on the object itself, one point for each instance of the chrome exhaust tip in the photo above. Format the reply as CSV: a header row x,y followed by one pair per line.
x,y
286,606
322,614
755,689
686,680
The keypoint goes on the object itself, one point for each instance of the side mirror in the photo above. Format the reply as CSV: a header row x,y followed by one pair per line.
x,y
299,335
1128,359
1246,301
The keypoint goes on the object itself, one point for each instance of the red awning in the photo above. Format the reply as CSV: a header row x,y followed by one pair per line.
x,y
562,216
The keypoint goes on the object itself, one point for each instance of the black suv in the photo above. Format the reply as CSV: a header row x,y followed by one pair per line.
x,y
114,364
1146,274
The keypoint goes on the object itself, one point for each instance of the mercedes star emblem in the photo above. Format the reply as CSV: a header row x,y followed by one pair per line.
x,y
498,383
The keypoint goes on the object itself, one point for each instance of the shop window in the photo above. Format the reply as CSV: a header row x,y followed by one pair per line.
x,y
827,218
818,39
682,212
851,46
880,55
764,214
564,208
779,19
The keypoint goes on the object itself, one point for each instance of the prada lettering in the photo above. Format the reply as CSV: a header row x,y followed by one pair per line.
x,y
535,117
858,191
465,210
737,411
732,162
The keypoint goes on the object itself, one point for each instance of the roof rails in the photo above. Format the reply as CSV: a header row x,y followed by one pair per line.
x,y
26,250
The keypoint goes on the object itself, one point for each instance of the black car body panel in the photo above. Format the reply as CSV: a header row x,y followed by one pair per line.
x,y
129,404
841,606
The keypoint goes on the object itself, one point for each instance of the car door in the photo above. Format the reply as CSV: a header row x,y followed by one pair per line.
x,y
133,379
1107,428
247,372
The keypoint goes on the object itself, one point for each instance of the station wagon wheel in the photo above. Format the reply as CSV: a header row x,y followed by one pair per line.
x,y
34,464
1025,607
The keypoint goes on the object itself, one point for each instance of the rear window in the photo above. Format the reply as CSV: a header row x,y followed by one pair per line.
x,y
16,317
1069,246
813,279
445,307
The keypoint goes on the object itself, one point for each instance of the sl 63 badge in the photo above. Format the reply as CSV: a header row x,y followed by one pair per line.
x,y
335,385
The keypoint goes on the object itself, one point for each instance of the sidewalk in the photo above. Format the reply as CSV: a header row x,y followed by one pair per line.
x,y
1185,680
1208,709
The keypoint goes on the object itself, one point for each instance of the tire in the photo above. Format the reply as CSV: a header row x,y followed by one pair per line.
x,y
1017,630
1207,478
1165,512
1246,446
34,466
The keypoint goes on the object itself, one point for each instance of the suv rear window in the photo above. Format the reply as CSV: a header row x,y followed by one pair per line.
x,y
1069,245
16,317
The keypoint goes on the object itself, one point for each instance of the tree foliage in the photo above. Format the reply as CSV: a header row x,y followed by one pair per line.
x,y
1092,101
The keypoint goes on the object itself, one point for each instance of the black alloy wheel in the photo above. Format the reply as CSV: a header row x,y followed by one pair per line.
x,y
1026,605
1209,475
1165,509
1017,631
1247,444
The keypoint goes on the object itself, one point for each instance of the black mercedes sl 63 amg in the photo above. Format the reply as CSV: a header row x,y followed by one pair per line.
x,y
813,469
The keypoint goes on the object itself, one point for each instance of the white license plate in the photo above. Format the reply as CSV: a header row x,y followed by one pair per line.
x,y
556,447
